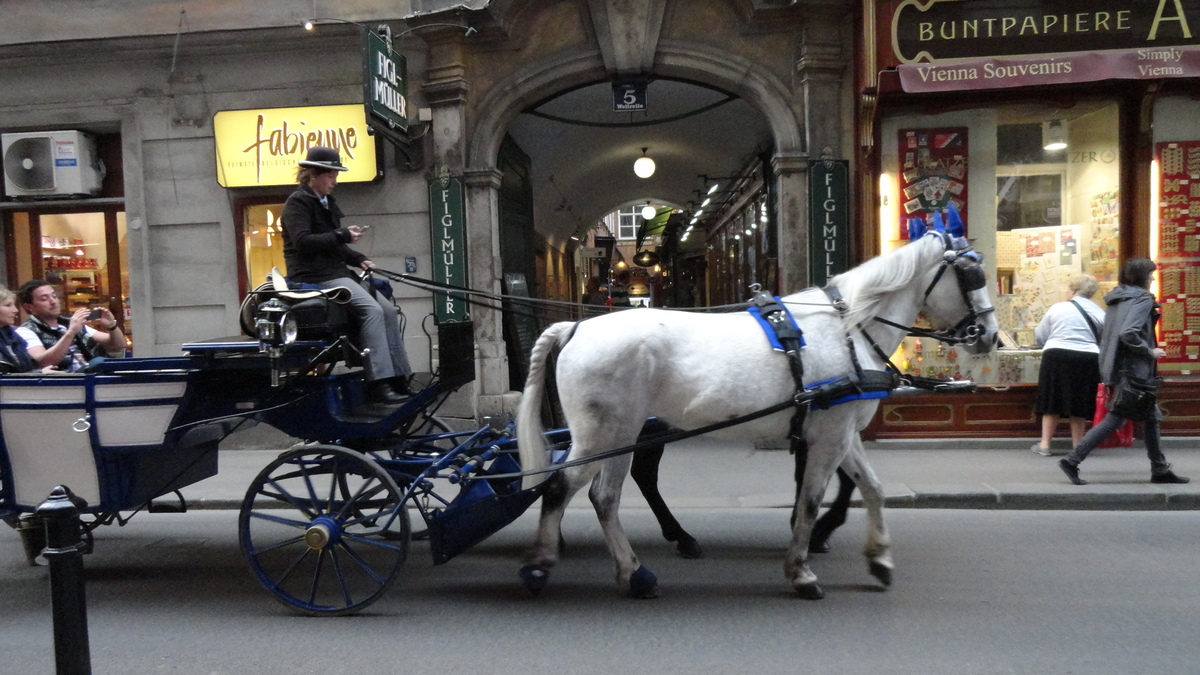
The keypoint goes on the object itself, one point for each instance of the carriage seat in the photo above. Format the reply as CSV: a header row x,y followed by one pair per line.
x,y
320,314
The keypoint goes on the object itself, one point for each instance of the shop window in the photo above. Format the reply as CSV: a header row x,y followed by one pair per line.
x,y
1174,230
83,254
1038,189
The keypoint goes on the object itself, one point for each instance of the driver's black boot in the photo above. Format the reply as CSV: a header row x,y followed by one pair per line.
x,y
381,392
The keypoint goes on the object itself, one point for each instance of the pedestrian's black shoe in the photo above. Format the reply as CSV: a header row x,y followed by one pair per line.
x,y
1168,476
1072,472
380,392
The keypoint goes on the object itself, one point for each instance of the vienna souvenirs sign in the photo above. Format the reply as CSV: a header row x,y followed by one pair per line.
x,y
263,147
828,219
447,235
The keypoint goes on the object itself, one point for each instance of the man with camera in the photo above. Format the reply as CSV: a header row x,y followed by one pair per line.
x,y
67,343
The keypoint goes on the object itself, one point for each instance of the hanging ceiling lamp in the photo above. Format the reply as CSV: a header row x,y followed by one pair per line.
x,y
648,212
1054,135
643,166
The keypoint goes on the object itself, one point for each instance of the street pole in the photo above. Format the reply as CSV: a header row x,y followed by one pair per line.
x,y
72,654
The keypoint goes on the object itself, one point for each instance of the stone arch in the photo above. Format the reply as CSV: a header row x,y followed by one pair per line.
x,y
538,81
676,60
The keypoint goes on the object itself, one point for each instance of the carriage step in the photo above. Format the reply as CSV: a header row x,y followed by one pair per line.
x,y
180,507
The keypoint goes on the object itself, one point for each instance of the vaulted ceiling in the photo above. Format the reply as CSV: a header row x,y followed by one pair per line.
x,y
582,152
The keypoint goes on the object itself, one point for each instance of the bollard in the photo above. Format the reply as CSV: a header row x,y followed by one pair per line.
x,y
72,655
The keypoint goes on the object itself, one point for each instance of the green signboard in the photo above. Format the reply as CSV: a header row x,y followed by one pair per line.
x,y
385,83
828,218
447,234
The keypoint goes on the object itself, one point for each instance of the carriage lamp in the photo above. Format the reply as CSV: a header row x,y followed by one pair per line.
x,y
275,325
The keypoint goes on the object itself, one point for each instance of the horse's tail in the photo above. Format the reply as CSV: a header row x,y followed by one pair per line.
x,y
531,442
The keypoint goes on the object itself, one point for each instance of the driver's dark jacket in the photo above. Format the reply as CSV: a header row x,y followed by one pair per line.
x,y
314,242
1127,342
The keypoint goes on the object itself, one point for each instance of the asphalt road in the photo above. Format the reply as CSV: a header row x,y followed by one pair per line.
x,y
977,591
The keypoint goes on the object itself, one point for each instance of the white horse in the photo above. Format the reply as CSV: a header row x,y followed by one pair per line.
x,y
692,370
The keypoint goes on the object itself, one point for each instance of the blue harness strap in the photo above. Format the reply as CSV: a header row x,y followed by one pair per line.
x,y
772,329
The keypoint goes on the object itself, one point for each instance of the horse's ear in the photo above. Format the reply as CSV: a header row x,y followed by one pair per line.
x,y
938,225
955,222
916,229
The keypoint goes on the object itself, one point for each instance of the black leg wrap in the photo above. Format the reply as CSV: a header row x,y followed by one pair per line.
x,y
643,584
534,577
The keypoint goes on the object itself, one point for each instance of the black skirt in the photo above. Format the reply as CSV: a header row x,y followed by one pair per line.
x,y
1067,383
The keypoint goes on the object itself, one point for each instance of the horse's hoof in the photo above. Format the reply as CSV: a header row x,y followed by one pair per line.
x,y
535,577
811,591
689,548
881,572
821,546
643,585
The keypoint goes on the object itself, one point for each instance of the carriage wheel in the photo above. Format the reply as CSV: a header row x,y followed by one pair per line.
x,y
324,530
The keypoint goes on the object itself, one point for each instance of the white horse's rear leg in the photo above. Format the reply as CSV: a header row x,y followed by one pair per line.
x,y
558,491
606,498
879,544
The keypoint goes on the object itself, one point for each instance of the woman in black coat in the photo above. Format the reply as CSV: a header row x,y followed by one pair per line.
x,y
1129,356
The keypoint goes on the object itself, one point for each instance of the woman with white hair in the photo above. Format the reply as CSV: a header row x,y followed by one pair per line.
x,y
1069,336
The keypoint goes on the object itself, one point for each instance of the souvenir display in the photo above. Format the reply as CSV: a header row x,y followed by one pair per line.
x,y
1178,255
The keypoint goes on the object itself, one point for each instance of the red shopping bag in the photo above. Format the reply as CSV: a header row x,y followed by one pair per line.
x,y
1122,437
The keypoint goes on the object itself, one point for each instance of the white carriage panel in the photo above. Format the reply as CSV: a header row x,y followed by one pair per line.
x,y
45,451
69,394
139,425
139,391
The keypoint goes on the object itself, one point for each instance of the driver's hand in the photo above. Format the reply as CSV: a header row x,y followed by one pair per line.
x,y
356,233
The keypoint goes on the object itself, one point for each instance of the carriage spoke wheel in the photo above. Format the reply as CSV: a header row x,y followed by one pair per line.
x,y
323,529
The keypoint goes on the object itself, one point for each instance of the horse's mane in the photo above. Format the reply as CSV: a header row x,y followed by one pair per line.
x,y
865,287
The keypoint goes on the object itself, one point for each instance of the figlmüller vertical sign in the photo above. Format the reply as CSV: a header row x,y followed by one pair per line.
x,y
447,234
828,218
385,83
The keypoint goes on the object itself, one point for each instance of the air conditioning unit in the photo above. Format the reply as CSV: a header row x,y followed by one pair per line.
x,y
50,164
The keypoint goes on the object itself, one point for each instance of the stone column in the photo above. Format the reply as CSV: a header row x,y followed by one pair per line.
x,y
493,397
791,180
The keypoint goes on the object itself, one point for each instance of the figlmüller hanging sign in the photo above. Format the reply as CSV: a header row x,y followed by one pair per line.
x,y
447,235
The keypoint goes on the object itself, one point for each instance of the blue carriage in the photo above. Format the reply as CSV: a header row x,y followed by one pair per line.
x,y
325,527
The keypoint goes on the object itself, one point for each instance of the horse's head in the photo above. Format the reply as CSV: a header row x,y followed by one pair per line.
x,y
958,303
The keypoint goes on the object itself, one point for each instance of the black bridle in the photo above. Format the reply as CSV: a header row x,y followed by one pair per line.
x,y
968,271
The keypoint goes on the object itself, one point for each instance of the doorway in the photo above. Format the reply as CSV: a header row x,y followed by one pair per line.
x,y
260,235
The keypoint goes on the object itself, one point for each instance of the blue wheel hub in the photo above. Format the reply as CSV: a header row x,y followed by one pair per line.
x,y
323,532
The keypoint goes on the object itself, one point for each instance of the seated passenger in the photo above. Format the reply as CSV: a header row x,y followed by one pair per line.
x,y
316,252
13,356
65,343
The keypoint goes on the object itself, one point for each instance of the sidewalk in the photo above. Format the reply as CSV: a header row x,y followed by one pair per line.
x,y
928,473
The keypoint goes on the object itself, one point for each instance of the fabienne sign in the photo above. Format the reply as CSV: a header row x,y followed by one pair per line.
x,y
1028,71
263,147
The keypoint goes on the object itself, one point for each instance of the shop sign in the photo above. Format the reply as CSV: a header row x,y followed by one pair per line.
x,y
936,30
263,147
385,83
828,218
447,234
999,73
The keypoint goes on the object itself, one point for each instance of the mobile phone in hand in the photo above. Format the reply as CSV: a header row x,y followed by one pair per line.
x,y
94,314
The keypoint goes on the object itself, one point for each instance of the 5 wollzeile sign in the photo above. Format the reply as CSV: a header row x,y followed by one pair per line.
x,y
264,147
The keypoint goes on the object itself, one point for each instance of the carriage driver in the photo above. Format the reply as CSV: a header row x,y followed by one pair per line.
x,y
65,342
315,249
